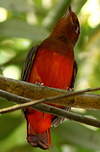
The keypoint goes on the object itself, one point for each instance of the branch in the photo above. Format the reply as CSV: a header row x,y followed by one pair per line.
x,y
47,108
78,99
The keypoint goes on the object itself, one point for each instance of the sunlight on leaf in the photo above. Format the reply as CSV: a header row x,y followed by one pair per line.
x,y
3,14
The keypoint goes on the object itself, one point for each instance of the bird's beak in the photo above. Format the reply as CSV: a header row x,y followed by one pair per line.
x,y
69,9
68,12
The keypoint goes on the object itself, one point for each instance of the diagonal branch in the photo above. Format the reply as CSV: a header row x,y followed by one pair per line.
x,y
48,109
21,92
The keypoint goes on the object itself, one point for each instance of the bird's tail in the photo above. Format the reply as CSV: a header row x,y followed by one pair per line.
x,y
36,136
41,140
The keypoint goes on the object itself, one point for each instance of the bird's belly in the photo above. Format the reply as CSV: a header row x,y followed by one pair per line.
x,y
52,69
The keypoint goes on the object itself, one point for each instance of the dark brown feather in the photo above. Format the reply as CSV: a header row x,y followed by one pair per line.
x,y
74,75
28,64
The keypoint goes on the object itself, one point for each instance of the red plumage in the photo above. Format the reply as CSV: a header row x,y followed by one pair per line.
x,y
52,64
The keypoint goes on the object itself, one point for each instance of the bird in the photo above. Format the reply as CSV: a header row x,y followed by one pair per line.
x,y
52,64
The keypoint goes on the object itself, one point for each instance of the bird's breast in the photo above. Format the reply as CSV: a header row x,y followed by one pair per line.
x,y
52,69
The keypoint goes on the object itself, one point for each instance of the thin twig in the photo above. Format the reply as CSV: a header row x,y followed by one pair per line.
x,y
86,101
50,109
75,93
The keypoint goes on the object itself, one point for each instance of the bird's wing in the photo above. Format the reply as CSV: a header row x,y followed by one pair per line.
x,y
74,75
58,120
28,64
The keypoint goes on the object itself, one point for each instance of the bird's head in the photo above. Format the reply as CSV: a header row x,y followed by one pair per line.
x,y
68,27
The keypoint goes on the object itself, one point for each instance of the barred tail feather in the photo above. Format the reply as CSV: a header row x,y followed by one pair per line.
x,y
41,140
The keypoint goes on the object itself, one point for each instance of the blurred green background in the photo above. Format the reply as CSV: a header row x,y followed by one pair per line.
x,y
25,23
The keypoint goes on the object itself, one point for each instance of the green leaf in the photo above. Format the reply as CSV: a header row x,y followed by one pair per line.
x,y
57,11
4,103
84,150
26,148
18,28
18,5
78,135
8,124
14,133
78,4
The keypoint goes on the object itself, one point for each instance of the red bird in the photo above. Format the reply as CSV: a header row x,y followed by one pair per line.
x,y
52,64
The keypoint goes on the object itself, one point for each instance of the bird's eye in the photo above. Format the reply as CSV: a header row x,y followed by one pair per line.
x,y
75,24
76,28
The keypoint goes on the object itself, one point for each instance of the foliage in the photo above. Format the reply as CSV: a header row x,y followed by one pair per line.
x,y
27,23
